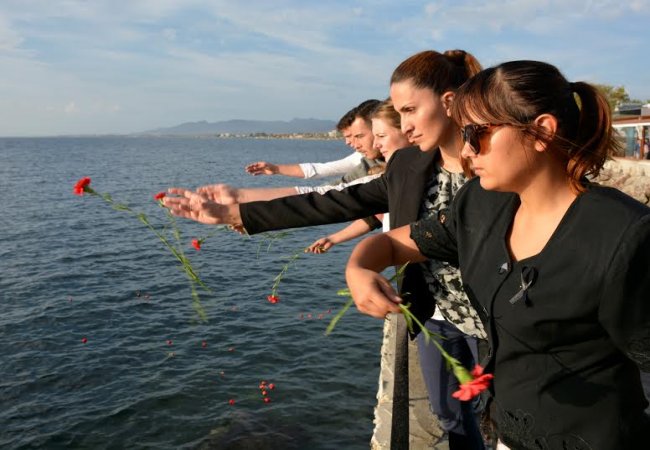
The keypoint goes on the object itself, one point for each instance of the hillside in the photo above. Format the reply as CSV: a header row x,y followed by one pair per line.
x,y
238,126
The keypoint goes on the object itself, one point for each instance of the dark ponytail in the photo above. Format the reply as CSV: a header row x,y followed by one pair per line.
x,y
594,139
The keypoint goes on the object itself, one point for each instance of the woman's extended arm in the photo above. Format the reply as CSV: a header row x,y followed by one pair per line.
x,y
228,195
372,293
338,187
201,208
357,228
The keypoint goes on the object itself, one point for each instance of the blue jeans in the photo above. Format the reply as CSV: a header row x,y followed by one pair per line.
x,y
457,418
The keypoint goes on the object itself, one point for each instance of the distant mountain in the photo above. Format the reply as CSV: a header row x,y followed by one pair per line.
x,y
237,126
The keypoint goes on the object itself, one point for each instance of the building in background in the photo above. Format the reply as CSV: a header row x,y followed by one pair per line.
x,y
632,124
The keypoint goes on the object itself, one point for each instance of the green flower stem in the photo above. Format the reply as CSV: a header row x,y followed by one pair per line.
x,y
338,316
270,238
460,372
285,268
177,252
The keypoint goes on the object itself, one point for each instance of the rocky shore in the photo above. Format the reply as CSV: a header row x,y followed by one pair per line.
x,y
628,175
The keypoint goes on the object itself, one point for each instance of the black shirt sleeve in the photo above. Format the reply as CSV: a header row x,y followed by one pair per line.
x,y
435,236
624,309
355,202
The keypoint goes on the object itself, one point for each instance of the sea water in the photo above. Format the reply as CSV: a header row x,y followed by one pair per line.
x,y
100,346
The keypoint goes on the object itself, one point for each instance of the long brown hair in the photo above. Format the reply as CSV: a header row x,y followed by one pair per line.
x,y
440,72
517,92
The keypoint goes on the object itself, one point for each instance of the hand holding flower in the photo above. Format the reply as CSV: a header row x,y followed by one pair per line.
x,y
322,245
201,208
262,168
371,292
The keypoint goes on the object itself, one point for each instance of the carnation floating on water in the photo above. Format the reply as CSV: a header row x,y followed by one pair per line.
x,y
81,186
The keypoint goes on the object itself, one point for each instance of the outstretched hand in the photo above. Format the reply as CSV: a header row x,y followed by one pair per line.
x,y
320,246
372,293
262,168
199,207
220,193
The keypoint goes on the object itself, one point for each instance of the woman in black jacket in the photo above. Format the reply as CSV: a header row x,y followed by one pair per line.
x,y
556,266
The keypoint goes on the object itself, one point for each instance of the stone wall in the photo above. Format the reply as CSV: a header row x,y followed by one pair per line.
x,y
628,175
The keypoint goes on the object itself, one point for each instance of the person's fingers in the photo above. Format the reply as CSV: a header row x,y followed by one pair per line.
x,y
208,189
177,191
171,202
389,292
377,305
377,298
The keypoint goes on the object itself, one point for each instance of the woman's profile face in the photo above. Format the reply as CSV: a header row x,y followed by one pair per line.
x,y
388,139
424,117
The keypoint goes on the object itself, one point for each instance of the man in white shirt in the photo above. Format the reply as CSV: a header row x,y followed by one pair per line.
x,y
356,128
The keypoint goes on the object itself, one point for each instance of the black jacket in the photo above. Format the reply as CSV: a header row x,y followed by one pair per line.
x,y
566,350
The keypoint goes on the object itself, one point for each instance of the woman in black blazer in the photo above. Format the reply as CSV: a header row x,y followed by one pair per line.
x,y
557,267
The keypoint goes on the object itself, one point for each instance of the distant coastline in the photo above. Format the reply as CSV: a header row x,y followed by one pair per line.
x,y
329,136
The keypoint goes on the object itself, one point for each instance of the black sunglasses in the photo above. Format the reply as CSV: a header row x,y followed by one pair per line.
x,y
473,133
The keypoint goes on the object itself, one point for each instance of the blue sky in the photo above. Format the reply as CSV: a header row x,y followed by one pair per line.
x,y
122,66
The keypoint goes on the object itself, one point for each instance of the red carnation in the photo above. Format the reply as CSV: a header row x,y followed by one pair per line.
x,y
196,244
81,185
273,298
471,388
159,196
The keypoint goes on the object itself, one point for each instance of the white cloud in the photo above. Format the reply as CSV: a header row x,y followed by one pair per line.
x,y
70,108
169,34
10,40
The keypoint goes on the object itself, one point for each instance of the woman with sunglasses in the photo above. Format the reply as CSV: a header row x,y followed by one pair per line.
x,y
556,266
419,181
